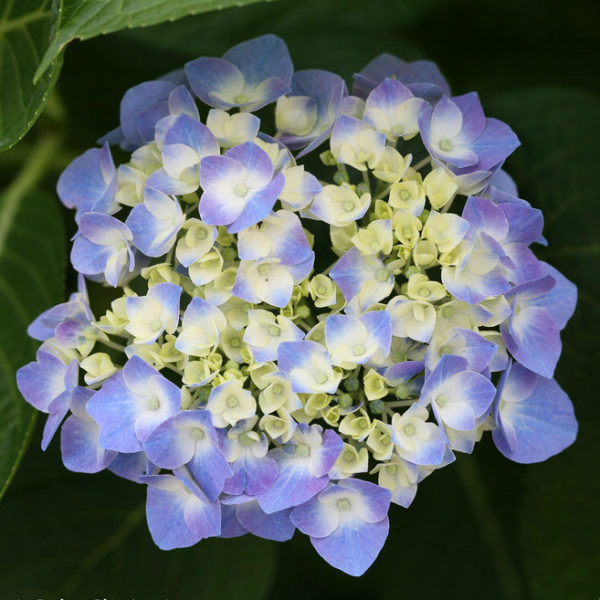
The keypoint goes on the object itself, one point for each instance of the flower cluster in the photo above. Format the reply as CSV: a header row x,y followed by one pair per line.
x,y
287,351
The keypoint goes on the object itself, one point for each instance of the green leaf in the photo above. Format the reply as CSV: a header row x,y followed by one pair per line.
x,y
557,170
84,19
24,36
32,259
85,536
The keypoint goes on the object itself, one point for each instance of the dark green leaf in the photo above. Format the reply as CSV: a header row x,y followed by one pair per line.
x,y
85,536
84,19
24,36
32,259
557,171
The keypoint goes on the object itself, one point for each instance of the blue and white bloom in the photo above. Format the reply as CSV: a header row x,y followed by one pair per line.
x,y
352,341
102,248
151,315
308,366
183,142
132,404
347,523
240,187
155,223
303,465
189,438
178,513
249,75
278,342
457,395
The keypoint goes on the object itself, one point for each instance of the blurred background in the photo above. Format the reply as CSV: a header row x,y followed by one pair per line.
x,y
481,528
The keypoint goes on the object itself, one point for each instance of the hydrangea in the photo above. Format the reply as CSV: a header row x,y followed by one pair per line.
x,y
290,349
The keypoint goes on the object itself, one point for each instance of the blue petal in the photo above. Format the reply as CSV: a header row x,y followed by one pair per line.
x,y
385,65
89,182
115,409
252,475
210,77
534,340
142,107
261,58
259,205
293,486
255,160
560,301
276,526
230,526
353,546
42,381
80,448
543,424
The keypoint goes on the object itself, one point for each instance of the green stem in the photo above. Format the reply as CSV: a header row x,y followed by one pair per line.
x,y
28,177
112,345
421,163
491,530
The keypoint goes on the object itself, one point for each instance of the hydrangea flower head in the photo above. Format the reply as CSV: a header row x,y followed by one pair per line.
x,y
291,350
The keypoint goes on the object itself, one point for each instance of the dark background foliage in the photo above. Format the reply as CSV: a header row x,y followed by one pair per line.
x,y
481,528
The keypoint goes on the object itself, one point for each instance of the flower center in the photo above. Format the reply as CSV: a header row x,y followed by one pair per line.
x,y
446,145
241,190
153,404
321,377
358,350
197,433
409,429
302,450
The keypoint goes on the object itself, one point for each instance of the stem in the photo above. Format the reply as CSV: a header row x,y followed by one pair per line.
x,y
447,206
489,527
421,163
397,403
27,179
112,345
384,192
366,180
